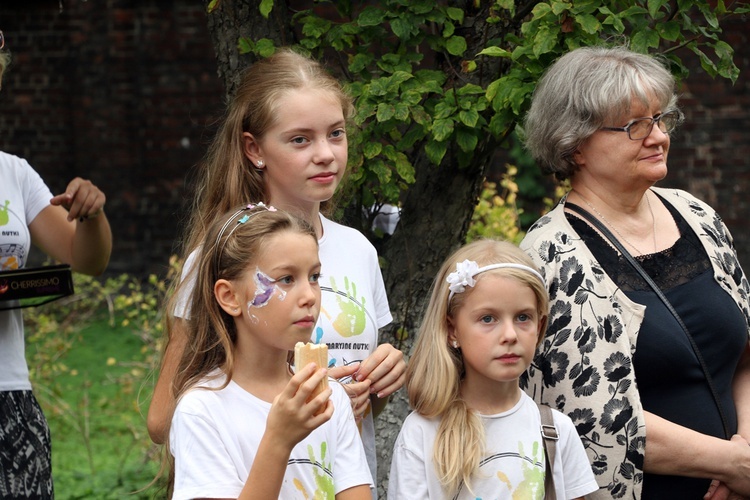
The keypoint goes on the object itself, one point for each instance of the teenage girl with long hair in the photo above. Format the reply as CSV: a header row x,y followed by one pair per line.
x,y
243,426
283,142
473,432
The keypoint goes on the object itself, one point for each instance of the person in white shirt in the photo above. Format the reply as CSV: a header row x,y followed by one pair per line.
x,y
246,425
474,433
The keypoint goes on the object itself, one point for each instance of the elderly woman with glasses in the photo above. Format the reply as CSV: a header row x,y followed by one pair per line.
x,y
647,346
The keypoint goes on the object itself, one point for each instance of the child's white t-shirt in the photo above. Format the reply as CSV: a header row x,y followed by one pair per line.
x,y
215,435
512,467
354,305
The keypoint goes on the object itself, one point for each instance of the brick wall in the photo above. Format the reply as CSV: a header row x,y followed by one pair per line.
x,y
124,93
710,153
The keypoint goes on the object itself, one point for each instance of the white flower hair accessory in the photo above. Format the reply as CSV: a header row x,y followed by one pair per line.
x,y
465,271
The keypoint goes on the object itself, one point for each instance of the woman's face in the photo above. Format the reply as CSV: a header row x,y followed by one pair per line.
x,y
611,157
304,152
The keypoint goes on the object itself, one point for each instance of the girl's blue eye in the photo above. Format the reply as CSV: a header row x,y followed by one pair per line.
x,y
486,319
338,133
524,317
285,280
315,278
298,140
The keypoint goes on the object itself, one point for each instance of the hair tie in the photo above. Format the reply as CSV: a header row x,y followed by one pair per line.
x,y
465,271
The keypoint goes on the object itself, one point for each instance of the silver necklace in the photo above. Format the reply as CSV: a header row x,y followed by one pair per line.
x,y
653,221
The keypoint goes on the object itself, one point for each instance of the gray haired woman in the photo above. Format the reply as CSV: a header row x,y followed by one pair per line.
x,y
663,409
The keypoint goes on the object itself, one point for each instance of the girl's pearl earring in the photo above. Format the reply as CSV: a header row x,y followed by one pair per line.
x,y
455,344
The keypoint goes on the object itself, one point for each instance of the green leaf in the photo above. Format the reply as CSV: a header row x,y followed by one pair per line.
x,y
669,30
371,16
212,5
359,62
492,89
245,45
448,30
435,151
456,45
404,168
589,23
494,52
643,40
411,136
654,6
444,109
470,89
265,47
385,112
401,112
466,139
544,41
442,129
265,7
401,28
371,149
560,7
420,115
469,117
455,14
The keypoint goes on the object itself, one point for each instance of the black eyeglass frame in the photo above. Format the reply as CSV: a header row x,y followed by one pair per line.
x,y
676,113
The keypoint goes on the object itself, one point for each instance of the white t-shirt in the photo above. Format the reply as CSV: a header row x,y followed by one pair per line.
x,y
353,304
513,465
23,195
215,435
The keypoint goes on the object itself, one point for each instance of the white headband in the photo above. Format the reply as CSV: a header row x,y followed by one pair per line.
x,y
465,271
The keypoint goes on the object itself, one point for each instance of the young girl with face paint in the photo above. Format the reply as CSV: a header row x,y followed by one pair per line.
x,y
243,426
283,142
474,433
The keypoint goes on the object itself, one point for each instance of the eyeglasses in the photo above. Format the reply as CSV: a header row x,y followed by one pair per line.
x,y
640,128
2,40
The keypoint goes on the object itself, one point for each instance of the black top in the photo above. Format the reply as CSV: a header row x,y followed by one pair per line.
x,y
670,380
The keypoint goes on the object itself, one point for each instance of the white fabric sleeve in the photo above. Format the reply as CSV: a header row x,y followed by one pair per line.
x,y
203,468
382,309
36,194
408,475
572,460
350,464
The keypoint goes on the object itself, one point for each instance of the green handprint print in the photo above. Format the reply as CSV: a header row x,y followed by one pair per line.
x,y
4,214
324,482
532,485
351,320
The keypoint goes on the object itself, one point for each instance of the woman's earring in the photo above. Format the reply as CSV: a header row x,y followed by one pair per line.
x,y
260,163
455,344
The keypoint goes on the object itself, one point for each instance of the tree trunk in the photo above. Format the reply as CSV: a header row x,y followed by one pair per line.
x,y
233,19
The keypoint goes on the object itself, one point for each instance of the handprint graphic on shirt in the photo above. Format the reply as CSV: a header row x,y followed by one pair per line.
x,y
4,219
324,487
351,320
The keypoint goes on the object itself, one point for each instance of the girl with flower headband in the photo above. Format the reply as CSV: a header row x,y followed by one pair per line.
x,y
243,426
474,433
283,142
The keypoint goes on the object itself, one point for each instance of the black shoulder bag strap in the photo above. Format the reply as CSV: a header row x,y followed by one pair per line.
x,y
549,439
616,243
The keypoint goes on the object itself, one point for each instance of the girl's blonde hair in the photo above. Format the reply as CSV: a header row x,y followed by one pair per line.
x,y
227,177
225,254
435,370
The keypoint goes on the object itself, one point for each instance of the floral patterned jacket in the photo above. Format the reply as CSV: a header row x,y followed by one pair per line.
x,y
584,366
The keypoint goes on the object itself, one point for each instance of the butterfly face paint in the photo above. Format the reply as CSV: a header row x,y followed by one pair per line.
x,y
264,288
